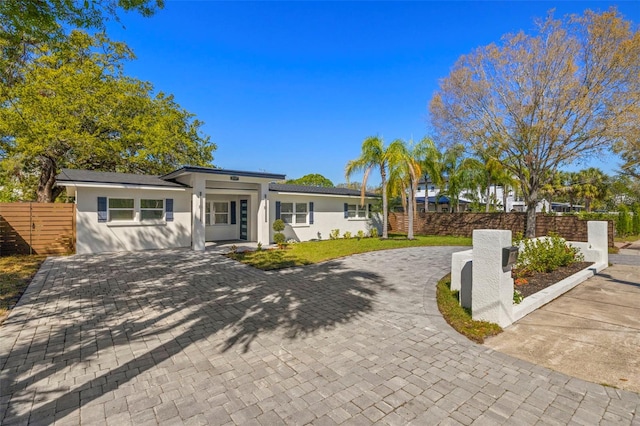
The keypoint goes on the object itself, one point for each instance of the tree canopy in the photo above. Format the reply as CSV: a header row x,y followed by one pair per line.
x,y
75,108
312,179
541,101
26,25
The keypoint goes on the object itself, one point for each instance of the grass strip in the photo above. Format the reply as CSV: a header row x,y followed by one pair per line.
x,y
460,318
310,252
16,273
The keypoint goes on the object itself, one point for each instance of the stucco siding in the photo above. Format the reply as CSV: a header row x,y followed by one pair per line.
x,y
100,237
328,214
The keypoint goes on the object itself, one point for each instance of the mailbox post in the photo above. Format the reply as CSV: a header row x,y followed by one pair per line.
x,y
492,289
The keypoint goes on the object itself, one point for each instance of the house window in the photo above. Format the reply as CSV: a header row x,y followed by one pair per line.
x,y
356,212
217,213
294,213
151,209
121,209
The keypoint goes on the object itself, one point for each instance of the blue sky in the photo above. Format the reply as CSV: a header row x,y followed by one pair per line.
x,y
294,87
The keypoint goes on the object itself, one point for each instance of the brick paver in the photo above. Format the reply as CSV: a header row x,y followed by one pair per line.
x,y
178,337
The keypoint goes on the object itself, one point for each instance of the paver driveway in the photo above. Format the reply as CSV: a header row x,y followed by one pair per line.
x,y
182,337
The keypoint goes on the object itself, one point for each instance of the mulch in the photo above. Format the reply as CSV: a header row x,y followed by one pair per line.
x,y
541,280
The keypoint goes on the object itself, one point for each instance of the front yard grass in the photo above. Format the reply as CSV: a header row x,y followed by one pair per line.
x,y
15,275
310,252
460,318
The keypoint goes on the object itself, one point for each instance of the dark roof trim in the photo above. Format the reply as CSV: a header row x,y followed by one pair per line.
x,y
89,176
196,169
282,187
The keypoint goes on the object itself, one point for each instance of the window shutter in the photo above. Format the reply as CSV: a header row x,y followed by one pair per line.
x,y
277,210
168,211
102,209
233,212
370,210
311,213
346,211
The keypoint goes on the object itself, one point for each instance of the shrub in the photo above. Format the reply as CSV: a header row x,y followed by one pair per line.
x,y
545,255
360,235
335,234
635,223
373,233
259,248
278,225
347,235
278,237
623,225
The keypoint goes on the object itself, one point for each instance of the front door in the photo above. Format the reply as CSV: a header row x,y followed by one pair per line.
x,y
244,215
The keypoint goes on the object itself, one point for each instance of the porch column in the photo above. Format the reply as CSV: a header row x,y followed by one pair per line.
x,y
198,200
263,214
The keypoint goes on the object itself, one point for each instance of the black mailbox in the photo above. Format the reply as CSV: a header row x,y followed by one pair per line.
x,y
509,256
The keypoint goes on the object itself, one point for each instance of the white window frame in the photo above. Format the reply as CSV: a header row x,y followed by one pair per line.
x,y
359,213
110,209
210,213
155,209
294,213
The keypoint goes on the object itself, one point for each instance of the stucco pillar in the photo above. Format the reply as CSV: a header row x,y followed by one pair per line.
x,y
598,237
198,200
263,214
492,289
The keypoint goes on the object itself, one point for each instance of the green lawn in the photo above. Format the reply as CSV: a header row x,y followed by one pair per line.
x,y
15,275
460,318
310,252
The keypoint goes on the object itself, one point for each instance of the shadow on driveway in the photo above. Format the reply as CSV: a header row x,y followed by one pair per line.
x,y
89,324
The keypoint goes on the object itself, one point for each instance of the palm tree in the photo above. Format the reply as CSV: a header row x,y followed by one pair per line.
x,y
430,160
404,172
373,155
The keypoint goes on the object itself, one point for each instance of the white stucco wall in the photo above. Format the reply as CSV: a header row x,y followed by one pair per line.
x,y
101,237
328,215
218,232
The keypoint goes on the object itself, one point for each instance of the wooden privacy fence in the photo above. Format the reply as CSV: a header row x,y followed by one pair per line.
x,y
37,228
570,228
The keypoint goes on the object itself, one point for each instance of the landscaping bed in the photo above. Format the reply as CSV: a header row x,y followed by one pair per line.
x,y
541,280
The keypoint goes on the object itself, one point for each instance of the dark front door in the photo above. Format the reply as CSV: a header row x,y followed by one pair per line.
x,y
244,216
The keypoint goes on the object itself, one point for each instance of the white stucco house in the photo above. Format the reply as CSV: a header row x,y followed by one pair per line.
x,y
193,205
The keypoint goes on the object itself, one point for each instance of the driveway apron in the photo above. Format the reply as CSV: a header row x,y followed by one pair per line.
x,y
181,337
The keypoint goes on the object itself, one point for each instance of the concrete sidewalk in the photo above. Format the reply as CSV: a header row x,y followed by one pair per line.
x,y
591,332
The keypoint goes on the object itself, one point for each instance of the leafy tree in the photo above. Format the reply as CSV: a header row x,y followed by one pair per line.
x,y
542,100
27,25
75,108
404,173
313,179
373,155
593,186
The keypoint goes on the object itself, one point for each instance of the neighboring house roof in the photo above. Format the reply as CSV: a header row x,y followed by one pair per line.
x,y
441,200
196,169
89,176
284,187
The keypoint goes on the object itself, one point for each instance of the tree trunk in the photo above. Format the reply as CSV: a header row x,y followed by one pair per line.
x,y
411,211
530,232
47,189
385,207
504,197
487,195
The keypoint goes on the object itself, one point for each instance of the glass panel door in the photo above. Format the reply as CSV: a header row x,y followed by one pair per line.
x,y
244,218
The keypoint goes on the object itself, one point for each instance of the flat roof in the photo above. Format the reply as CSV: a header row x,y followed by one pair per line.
x,y
210,170
303,189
